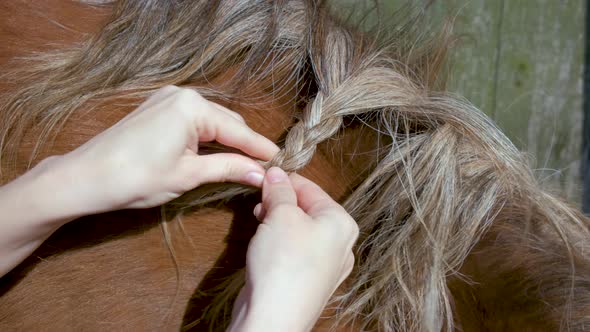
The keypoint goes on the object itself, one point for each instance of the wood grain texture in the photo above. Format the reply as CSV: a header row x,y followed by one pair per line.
x,y
539,86
521,62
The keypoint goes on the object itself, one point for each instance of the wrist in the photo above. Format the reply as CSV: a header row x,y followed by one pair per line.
x,y
54,191
271,310
32,211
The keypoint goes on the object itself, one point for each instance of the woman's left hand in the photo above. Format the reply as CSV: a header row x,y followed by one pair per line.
x,y
151,156
146,159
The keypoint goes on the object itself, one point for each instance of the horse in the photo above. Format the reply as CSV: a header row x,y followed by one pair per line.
x,y
455,231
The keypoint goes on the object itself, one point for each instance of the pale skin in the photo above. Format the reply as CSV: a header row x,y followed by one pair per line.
x,y
299,255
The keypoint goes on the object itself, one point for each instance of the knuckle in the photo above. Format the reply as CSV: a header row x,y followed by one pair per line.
x,y
325,205
239,116
187,97
348,227
349,264
354,228
183,101
187,92
283,209
164,91
229,171
50,162
168,89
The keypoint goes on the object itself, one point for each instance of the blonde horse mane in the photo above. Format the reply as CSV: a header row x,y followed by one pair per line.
x,y
445,190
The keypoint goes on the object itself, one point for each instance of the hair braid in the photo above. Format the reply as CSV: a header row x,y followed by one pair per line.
x,y
329,54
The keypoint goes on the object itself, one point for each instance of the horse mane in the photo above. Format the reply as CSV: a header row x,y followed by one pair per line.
x,y
452,220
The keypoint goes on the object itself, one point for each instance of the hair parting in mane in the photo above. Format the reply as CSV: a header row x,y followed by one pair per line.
x,y
449,209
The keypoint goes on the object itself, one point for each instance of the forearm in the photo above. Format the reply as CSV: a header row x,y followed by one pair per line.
x,y
33,206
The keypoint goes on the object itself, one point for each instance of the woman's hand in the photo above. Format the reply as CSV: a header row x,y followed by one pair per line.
x,y
300,254
151,156
146,159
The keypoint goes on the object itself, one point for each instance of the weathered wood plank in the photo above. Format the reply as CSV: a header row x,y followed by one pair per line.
x,y
539,86
521,62
473,62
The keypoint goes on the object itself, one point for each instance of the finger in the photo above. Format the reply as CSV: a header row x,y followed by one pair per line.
x,y
166,91
312,199
226,110
347,268
160,94
221,167
151,100
277,190
225,129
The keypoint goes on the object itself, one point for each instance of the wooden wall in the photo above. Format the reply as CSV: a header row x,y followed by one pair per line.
x,y
521,62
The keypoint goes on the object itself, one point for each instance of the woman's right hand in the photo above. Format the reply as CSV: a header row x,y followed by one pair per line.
x,y
300,254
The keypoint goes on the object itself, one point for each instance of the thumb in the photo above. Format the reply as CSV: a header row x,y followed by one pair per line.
x,y
222,167
277,190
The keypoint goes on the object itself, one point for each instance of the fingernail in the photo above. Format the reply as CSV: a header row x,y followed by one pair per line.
x,y
257,210
254,179
275,174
